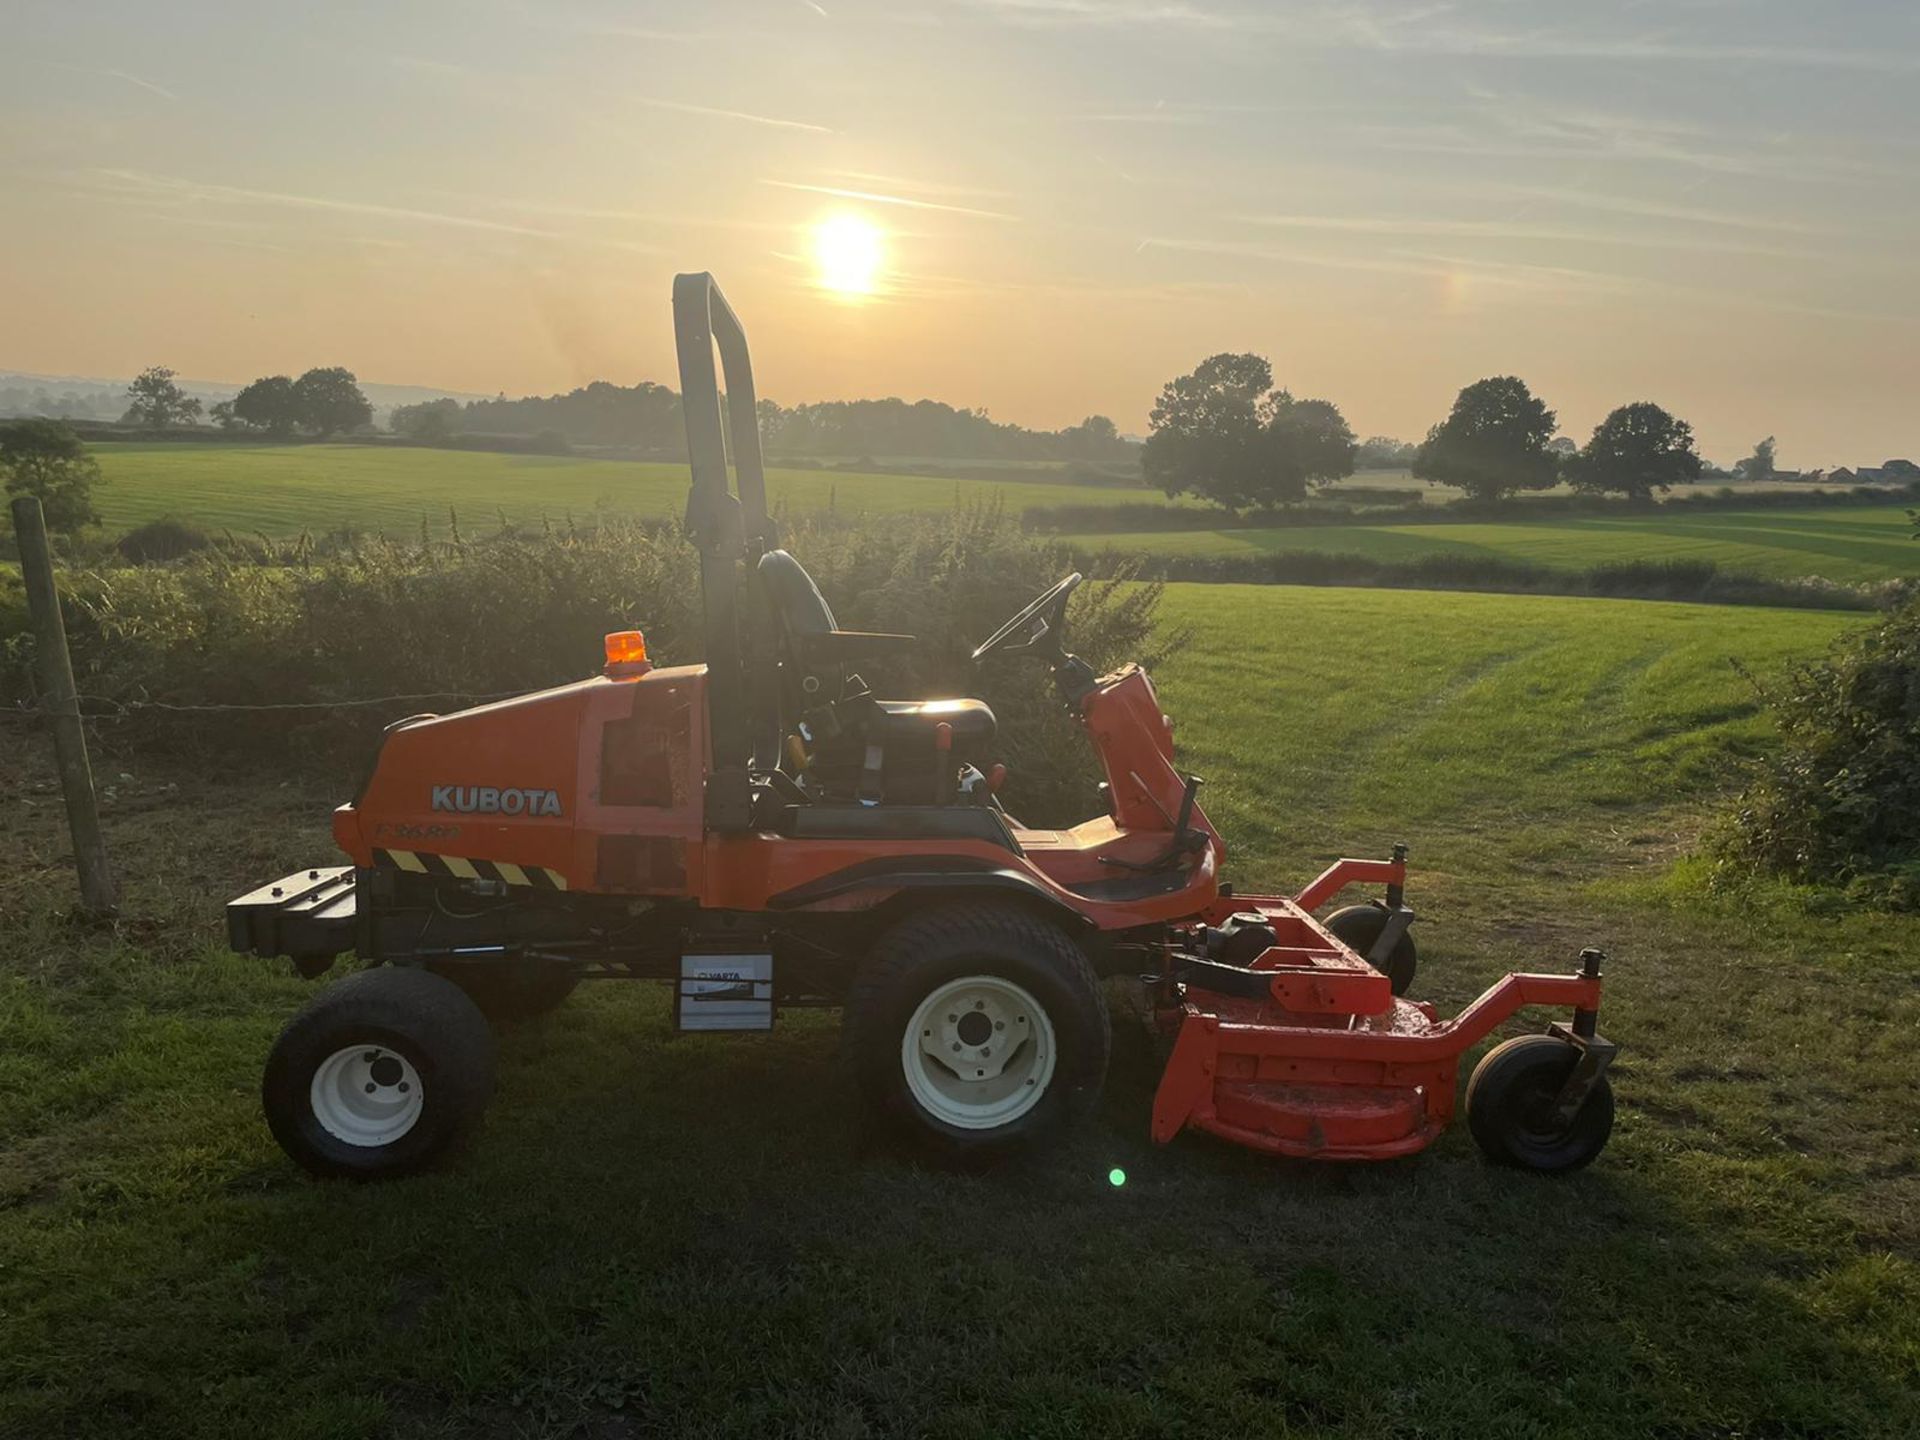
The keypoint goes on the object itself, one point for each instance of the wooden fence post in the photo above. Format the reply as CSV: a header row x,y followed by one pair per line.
x,y
98,897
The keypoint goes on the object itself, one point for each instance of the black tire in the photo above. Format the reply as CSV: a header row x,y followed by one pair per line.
x,y
1359,926
952,943
400,1015
1509,1099
507,990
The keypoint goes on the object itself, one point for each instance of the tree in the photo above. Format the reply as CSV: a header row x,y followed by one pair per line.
x,y
1494,442
432,422
269,404
1759,465
157,400
1204,433
1564,445
222,415
1094,438
1383,452
770,417
45,458
329,400
1636,450
1307,442
1220,434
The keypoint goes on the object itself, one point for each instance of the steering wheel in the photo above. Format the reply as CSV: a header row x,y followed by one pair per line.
x,y
1045,616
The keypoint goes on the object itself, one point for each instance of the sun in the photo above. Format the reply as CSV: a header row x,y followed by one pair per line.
x,y
848,251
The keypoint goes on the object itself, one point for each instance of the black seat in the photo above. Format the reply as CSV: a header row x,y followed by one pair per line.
x,y
844,720
971,721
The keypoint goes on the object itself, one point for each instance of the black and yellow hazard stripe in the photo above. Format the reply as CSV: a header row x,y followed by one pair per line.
x,y
425,862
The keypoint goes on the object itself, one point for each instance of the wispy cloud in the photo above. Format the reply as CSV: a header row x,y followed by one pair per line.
x,y
124,76
1654,49
1521,127
1440,29
145,186
1102,12
1538,281
772,120
876,197
917,186
1656,209
1521,231
562,211
1516,276
549,16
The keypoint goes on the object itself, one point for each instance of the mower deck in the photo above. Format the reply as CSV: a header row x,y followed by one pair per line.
x,y
1308,1053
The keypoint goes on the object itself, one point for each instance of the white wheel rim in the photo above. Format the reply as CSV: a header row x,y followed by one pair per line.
x,y
366,1095
979,1053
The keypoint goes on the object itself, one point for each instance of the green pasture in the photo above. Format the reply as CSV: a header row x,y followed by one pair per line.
x,y
284,489
694,1236
1840,544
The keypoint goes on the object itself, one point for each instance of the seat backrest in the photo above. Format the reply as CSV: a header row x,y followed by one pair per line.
x,y
798,606
799,611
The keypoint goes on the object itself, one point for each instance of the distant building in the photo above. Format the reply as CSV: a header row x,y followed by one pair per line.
x,y
1843,476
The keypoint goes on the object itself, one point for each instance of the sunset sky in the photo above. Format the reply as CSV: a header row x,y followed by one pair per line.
x,y
1056,204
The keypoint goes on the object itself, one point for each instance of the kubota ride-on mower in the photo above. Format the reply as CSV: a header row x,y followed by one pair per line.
x,y
763,832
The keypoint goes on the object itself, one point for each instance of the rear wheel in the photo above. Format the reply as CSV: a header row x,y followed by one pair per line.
x,y
1359,927
378,1075
1510,1105
511,989
975,1030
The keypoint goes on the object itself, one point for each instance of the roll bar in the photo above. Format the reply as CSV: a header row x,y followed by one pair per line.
x,y
719,514
728,523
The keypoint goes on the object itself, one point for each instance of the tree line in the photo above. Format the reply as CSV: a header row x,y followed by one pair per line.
x,y
324,401
647,416
1224,433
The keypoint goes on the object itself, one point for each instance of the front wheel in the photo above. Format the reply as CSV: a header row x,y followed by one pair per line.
x,y
976,1030
1510,1105
378,1075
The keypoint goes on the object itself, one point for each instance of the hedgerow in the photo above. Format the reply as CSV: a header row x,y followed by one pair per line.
x,y
1840,803
439,624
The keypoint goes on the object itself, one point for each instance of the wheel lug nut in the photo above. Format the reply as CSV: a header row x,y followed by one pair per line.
x,y
371,1056
999,1024
371,1087
956,1046
403,1087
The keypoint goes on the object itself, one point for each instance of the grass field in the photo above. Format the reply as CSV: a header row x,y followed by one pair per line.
x,y
1440,494
1849,545
283,489
689,1236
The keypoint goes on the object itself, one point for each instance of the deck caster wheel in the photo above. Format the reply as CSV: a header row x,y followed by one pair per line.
x,y
378,1075
511,989
1359,926
976,1030
1510,1102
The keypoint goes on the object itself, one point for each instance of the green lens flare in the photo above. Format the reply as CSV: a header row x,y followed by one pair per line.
x,y
1116,1177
